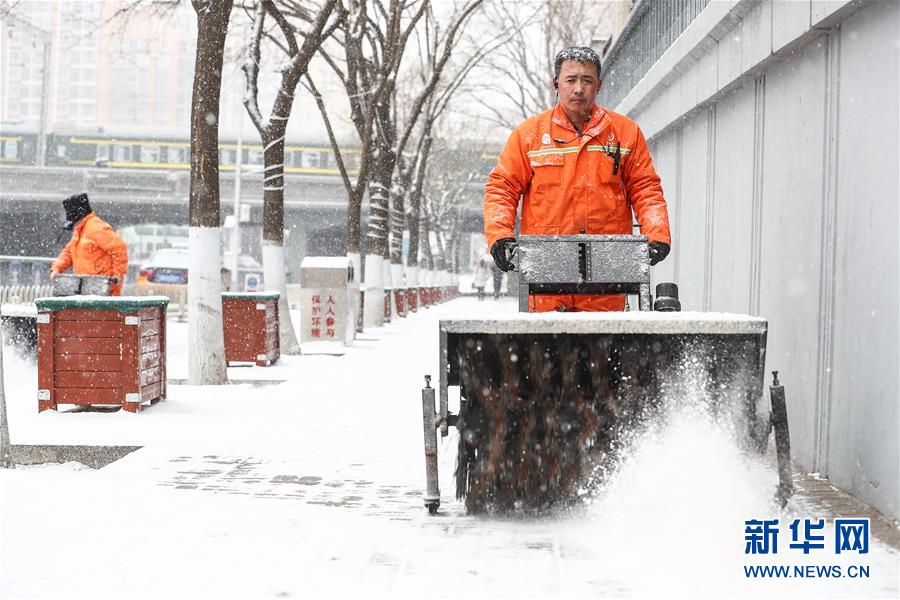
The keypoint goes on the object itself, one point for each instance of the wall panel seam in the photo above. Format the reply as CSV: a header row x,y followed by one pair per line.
x,y
679,201
757,193
828,253
710,205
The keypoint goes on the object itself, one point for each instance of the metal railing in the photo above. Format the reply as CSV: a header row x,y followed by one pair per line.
x,y
25,270
23,294
652,27
18,270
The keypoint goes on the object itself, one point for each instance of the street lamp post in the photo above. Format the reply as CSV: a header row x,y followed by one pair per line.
x,y
236,232
45,103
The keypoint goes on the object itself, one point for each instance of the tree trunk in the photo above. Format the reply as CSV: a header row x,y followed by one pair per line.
x,y
427,260
441,259
414,276
6,461
398,226
273,232
398,213
354,216
272,133
206,345
415,207
377,235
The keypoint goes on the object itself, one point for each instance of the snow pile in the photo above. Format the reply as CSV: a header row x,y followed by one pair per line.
x,y
670,519
672,513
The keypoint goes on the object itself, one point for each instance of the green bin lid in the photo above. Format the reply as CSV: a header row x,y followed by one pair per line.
x,y
122,304
252,295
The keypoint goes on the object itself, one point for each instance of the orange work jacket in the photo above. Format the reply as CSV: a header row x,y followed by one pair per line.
x,y
568,187
95,249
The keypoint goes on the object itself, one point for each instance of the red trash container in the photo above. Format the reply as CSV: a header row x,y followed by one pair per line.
x,y
101,350
250,320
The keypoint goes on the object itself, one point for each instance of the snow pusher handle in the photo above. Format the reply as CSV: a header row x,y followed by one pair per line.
x,y
584,264
782,440
431,421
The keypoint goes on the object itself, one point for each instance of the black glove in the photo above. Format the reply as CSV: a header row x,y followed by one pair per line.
x,y
503,251
658,252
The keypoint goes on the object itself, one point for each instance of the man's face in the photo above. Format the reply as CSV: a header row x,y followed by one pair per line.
x,y
577,85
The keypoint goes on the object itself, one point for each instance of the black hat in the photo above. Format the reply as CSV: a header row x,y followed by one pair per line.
x,y
77,207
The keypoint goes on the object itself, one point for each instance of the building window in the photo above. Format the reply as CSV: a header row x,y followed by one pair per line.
x,y
10,149
122,153
227,157
177,155
149,154
311,160
60,151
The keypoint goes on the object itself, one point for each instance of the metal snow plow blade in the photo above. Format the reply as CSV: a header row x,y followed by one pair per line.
x,y
544,398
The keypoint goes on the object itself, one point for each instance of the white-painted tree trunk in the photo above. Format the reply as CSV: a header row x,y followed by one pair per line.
x,y
386,276
273,277
355,284
374,286
398,280
206,338
412,281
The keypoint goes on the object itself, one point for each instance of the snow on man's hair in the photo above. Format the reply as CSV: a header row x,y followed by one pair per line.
x,y
581,54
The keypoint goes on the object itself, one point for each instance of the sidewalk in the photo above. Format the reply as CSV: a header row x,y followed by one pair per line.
x,y
308,483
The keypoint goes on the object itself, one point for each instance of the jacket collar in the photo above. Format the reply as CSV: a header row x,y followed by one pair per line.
x,y
598,121
80,225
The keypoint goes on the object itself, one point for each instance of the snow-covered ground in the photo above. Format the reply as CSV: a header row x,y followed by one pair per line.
x,y
307,481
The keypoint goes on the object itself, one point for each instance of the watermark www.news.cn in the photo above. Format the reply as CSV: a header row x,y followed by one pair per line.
x,y
851,536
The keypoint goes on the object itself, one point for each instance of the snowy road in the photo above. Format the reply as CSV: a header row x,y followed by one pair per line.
x,y
308,483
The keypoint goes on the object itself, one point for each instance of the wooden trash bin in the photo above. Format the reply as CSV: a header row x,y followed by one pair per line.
x,y
101,350
250,320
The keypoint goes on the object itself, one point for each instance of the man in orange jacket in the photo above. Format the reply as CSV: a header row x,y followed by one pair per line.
x,y
95,249
579,169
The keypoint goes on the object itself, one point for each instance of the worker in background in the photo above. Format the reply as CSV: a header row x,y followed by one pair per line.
x,y
95,249
498,280
480,275
579,169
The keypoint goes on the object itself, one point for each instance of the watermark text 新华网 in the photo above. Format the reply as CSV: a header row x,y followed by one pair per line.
x,y
807,536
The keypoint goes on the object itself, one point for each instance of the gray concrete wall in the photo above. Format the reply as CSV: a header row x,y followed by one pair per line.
x,y
774,127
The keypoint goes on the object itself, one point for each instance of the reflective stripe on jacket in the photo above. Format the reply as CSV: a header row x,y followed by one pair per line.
x,y
95,249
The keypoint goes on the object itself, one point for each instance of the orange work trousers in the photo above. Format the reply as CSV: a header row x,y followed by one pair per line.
x,y
576,303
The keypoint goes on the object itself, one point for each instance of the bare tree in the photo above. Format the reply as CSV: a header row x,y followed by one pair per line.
x,y
272,129
453,188
395,129
518,76
415,216
206,349
413,172
373,44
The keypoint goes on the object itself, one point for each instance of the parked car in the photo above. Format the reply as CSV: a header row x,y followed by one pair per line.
x,y
170,266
